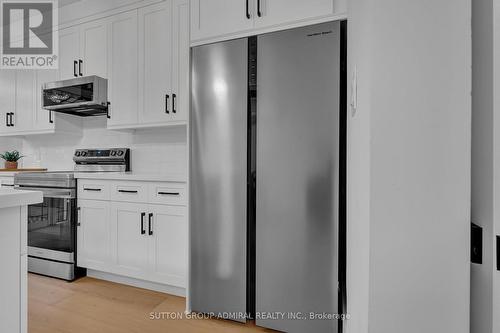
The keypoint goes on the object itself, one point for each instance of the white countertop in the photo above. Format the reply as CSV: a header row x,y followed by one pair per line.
x,y
132,176
14,198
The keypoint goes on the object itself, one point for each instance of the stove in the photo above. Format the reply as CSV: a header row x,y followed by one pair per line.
x,y
52,224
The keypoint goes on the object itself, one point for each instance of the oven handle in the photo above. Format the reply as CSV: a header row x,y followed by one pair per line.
x,y
50,193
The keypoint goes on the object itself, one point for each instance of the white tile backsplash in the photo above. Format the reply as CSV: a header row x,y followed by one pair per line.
x,y
158,150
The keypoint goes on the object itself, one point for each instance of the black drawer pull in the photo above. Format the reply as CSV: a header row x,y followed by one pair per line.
x,y
143,231
168,193
92,189
127,191
150,224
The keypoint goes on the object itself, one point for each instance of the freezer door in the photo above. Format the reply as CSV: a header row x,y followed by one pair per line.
x,y
297,177
218,166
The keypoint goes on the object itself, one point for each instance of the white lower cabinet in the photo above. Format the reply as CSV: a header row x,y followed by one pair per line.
x,y
168,247
93,234
130,239
139,240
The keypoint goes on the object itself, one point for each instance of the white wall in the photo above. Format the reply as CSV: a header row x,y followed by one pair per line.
x,y
409,160
161,150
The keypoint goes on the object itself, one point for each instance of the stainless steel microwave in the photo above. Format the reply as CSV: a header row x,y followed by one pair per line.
x,y
82,96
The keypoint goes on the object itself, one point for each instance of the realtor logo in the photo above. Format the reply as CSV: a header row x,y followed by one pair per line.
x,y
29,34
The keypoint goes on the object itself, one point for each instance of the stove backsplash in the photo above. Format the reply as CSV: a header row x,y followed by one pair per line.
x,y
158,150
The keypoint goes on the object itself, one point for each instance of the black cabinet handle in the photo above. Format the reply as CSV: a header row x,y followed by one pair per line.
x,y
74,68
143,231
168,193
50,117
248,13
80,63
107,110
167,96
127,191
7,119
150,224
92,189
11,121
174,99
259,13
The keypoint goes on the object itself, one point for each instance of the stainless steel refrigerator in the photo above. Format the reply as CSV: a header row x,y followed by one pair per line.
x,y
266,178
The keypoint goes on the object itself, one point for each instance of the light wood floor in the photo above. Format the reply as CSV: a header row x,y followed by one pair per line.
x,y
90,305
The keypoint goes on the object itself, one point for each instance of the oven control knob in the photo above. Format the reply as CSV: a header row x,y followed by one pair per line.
x,y
120,152
113,153
77,153
84,153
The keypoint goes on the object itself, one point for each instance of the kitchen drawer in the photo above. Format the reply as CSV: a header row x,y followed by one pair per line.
x,y
129,192
93,189
168,193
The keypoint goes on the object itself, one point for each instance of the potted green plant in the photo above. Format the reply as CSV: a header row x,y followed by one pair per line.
x,y
11,158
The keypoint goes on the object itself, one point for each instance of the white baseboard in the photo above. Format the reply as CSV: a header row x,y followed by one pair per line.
x,y
163,288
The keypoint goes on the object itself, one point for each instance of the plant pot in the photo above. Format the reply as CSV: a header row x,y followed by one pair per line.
x,y
10,165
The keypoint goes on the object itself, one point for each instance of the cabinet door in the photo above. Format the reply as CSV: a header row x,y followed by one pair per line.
x,y
93,46
93,234
276,12
130,244
43,119
180,68
69,52
155,63
7,97
25,101
214,18
169,246
122,68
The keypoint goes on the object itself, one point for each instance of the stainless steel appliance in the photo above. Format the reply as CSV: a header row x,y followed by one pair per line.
x,y
52,225
82,96
93,160
267,168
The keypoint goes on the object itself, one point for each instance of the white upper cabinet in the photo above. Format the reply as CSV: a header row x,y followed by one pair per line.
x,y
43,119
180,60
25,101
276,12
122,68
213,20
93,47
7,99
160,66
69,52
155,63
144,54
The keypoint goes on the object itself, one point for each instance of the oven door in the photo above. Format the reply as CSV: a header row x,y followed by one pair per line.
x,y
52,225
